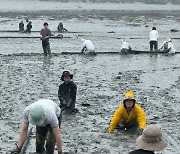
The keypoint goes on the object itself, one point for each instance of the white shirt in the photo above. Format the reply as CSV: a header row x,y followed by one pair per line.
x,y
89,45
153,35
125,45
52,111
171,47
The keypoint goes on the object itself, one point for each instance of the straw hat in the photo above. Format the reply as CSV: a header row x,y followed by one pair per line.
x,y
152,139
168,39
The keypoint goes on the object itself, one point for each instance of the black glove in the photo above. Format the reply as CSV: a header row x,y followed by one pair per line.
x,y
139,131
69,103
17,150
59,152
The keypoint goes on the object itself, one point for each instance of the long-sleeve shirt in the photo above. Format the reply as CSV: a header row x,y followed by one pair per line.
x,y
67,92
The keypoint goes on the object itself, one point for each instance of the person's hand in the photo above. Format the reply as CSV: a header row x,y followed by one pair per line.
x,y
17,150
139,131
59,152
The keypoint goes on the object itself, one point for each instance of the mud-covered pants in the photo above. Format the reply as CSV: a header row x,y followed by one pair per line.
x,y
45,134
46,47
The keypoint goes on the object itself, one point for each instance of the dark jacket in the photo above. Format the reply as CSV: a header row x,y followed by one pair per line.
x,y
67,94
21,26
141,151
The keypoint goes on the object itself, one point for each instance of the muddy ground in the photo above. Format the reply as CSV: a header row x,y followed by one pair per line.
x,y
102,80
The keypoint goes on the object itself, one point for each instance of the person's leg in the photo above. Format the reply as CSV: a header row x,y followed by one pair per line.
x,y
155,46
60,119
41,133
44,47
151,46
50,141
48,49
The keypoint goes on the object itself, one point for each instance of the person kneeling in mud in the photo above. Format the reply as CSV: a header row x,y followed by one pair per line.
x,y
125,47
44,115
129,115
45,35
168,46
87,47
67,93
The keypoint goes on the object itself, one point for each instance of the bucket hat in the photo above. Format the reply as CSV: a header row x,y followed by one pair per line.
x,y
152,139
66,73
37,115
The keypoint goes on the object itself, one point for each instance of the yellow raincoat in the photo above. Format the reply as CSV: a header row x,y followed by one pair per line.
x,y
136,114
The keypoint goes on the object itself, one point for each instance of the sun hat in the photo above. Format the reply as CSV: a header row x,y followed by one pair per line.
x,y
37,115
66,73
168,39
152,139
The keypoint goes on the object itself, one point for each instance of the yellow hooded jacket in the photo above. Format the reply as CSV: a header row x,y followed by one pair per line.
x,y
136,114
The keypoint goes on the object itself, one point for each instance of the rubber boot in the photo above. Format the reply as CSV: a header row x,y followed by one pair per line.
x,y
50,143
40,141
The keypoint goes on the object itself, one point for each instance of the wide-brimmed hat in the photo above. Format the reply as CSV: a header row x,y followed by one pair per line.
x,y
37,115
66,73
152,139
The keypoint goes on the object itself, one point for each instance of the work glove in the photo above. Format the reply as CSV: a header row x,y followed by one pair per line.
x,y
69,103
139,131
59,152
17,150
63,104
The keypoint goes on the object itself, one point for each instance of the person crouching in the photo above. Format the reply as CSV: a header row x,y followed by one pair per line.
x,y
44,115
128,115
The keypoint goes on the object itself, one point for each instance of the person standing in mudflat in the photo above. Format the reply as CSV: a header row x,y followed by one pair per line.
x,y
153,37
45,35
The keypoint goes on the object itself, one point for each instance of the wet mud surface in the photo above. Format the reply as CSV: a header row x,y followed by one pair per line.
x,y
102,80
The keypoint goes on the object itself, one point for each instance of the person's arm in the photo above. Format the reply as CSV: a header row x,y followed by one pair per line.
x,y
116,119
83,49
73,92
141,117
57,134
23,134
61,99
50,33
